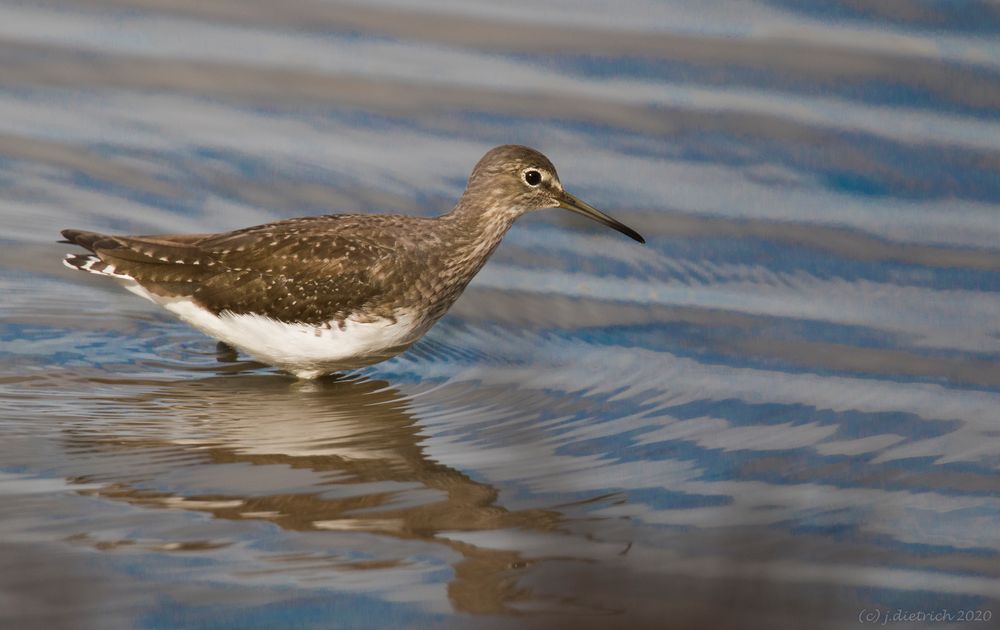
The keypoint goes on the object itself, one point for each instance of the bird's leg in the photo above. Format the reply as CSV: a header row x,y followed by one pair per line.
x,y
225,353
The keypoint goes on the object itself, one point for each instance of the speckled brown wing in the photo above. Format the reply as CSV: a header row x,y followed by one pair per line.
x,y
326,272
311,270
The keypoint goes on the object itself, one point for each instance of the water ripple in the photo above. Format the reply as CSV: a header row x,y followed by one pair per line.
x,y
785,403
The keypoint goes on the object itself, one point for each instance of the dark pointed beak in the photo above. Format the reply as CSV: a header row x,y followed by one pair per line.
x,y
569,202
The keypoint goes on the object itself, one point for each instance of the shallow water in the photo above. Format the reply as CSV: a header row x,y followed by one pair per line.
x,y
781,412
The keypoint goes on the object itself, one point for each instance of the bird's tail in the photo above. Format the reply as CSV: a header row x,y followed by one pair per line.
x,y
92,264
82,238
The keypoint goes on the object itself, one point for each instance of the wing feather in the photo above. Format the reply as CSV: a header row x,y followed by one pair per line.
x,y
312,270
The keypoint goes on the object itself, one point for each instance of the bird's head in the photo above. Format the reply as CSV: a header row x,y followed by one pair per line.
x,y
511,180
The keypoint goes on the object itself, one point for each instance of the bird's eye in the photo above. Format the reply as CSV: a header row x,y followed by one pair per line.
x,y
532,177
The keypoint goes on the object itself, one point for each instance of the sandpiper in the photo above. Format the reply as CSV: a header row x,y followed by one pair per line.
x,y
324,294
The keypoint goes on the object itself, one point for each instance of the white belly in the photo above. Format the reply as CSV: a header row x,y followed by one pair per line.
x,y
305,350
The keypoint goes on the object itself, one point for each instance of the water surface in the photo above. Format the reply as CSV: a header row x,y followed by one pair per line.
x,y
781,412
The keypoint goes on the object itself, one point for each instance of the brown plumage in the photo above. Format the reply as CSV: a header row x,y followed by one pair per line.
x,y
336,271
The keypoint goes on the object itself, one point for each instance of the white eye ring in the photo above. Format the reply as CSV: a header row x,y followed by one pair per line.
x,y
532,177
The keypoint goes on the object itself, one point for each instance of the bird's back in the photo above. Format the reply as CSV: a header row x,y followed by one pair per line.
x,y
312,270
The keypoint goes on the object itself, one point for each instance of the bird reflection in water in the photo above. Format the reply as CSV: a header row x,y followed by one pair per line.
x,y
355,436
